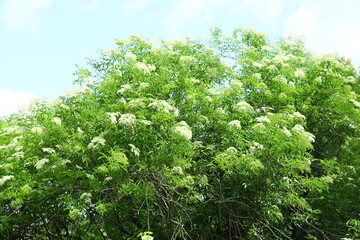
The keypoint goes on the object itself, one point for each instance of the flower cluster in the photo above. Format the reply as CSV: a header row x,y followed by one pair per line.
x,y
164,106
145,68
243,107
183,129
235,124
96,142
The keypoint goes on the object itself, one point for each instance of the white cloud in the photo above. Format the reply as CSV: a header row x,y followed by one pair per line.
x,y
11,101
23,14
328,26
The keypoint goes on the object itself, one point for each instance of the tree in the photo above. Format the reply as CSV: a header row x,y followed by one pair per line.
x,y
227,138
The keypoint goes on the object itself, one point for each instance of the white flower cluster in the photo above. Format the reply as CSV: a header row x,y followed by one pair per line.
x,y
5,178
86,197
127,119
135,150
231,149
301,131
235,124
243,107
183,129
130,56
124,88
48,150
114,116
297,115
96,142
39,164
187,60
143,85
76,91
135,103
286,132
36,130
145,68
214,91
299,74
164,106
356,103
262,119
56,120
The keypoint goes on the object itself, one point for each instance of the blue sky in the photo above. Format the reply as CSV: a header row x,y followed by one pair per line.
x,y
42,40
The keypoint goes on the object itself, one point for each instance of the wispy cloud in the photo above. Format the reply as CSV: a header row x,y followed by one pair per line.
x,y
23,14
328,26
11,101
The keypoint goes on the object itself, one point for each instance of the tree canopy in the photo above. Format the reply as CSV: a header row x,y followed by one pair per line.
x,y
231,137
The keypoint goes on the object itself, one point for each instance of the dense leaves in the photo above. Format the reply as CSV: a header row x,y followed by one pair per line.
x,y
233,137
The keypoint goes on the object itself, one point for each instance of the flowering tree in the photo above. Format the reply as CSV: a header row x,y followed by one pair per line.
x,y
230,138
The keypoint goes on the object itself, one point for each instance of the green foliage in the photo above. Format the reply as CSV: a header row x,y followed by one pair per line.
x,y
233,137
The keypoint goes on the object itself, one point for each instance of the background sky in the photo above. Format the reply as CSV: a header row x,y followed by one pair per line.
x,y
42,40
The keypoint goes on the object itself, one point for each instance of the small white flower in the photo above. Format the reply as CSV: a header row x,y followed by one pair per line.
x,y
48,150
143,85
350,79
18,155
130,56
79,130
258,65
146,122
231,149
298,128
187,60
96,142
286,132
178,170
183,129
64,106
356,103
135,103
56,120
259,127
214,91
124,88
114,116
243,107
257,76
5,178
263,119
86,197
164,106
298,115
235,124
194,80
145,68
36,130
135,150
299,74
41,163
127,119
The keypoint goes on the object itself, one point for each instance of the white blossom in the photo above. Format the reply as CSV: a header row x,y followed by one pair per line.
x,y
135,150
231,149
243,107
259,127
36,130
214,91
257,64
145,68
124,88
301,131
5,178
76,91
164,106
178,170
114,116
187,59
183,129
146,122
48,150
96,142
86,197
356,103
286,132
134,103
235,124
350,79
127,119
298,115
64,106
143,85
299,74
56,120
39,164
208,98
130,56
257,76
263,119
